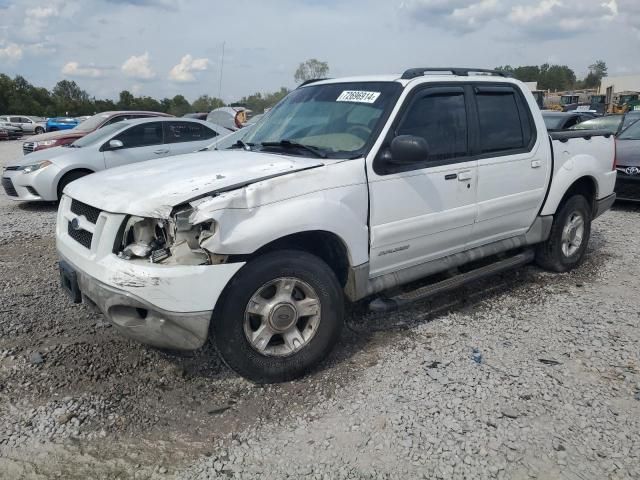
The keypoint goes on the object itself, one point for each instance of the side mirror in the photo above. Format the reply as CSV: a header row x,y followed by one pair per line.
x,y
115,144
408,149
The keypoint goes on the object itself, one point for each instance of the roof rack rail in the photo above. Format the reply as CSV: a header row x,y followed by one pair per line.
x,y
313,80
463,72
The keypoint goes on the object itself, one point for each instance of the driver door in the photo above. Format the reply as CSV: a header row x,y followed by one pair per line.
x,y
424,210
139,143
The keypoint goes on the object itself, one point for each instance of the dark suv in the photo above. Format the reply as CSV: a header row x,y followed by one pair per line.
x,y
64,137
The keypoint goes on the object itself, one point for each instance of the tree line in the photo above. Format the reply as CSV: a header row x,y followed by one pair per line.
x,y
18,96
557,77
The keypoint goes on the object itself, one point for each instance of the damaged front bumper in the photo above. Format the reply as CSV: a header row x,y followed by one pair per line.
x,y
140,320
167,306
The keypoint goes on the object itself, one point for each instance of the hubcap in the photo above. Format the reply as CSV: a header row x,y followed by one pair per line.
x,y
282,317
572,234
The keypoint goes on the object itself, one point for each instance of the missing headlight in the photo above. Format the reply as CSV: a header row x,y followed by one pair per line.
x,y
172,241
141,236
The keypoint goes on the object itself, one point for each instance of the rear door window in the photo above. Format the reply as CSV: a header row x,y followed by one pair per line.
x,y
143,135
178,132
505,124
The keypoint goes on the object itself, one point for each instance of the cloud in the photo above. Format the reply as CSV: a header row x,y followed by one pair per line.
x,y
183,72
74,69
138,67
525,14
555,18
11,52
165,4
629,11
37,19
461,15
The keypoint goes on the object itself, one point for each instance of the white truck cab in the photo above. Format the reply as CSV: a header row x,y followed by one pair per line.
x,y
349,188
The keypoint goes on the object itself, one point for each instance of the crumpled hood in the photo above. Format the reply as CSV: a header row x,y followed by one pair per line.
x,y
70,133
154,187
40,155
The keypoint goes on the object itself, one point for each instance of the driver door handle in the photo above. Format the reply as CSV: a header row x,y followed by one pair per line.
x,y
161,151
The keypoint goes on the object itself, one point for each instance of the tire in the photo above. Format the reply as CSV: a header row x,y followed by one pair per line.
x,y
39,130
561,252
68,178
293,276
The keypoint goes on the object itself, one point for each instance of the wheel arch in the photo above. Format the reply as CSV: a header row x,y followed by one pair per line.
x,y
67,173
585,185
327,246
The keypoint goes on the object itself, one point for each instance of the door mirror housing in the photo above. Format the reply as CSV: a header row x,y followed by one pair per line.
x,y
408,149
115,144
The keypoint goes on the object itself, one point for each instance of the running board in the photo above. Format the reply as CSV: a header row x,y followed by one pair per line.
x,y
388,304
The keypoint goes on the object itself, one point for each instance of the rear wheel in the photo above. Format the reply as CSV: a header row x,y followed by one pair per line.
x,y
570,232
68,178
279,317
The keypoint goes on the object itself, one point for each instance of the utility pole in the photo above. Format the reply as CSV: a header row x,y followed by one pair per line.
x,y
221,70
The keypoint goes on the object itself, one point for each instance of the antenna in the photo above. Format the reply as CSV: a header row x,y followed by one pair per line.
x,y
221,70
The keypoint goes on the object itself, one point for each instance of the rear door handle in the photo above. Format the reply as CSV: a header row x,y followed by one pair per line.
x,y
464,176
536,163
160,152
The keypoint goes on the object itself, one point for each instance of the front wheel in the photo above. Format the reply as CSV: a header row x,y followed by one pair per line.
x,y
279,316
39,130
570,232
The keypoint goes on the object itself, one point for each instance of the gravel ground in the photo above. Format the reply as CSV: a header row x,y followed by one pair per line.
x,y
527,375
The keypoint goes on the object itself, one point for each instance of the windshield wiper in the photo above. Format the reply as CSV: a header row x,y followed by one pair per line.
x,y
292,144
241,144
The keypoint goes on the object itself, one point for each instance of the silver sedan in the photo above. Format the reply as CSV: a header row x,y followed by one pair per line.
x,y
42,176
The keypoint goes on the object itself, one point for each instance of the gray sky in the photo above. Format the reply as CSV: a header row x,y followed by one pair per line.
x,y
165,47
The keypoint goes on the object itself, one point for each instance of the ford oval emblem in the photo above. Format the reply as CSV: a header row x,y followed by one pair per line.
x,y
75,223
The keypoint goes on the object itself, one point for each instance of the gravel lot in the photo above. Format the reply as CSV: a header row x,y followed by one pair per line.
x,y
556,392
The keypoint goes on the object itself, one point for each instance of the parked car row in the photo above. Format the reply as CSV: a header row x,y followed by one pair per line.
x,y
28,124
65,137
9,131
43,175
626,129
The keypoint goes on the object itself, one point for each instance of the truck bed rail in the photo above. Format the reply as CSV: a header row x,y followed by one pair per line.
x,y
565,135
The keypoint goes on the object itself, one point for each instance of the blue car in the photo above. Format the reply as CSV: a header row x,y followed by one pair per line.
x,y
61,123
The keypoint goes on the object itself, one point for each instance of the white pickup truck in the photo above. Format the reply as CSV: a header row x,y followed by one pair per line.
x,y
349,188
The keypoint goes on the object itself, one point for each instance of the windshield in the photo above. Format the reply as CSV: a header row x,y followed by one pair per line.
x,y
99,135
630,117
631,133
553,122
92,123
610,123
337,119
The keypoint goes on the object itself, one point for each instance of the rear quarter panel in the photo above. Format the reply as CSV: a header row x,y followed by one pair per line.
x,y
577,158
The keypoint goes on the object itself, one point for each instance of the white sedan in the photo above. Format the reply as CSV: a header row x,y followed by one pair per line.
x,y
42,176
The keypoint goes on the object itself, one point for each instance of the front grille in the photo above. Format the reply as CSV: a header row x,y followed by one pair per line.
x,y
81,236
12,167
89,212
27,147
7,184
